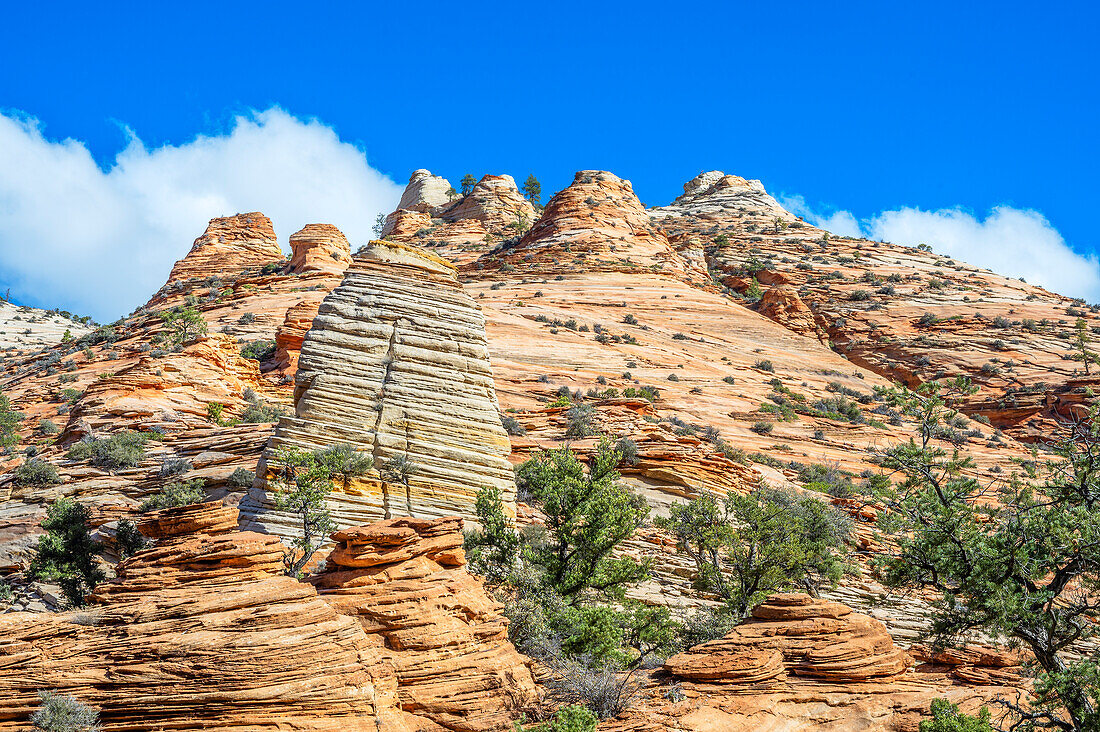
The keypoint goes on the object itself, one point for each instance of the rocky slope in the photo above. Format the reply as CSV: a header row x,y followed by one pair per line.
x,y
203,632
906,313
24,329
121,377
601,318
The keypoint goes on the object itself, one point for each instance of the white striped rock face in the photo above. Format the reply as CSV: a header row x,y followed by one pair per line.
x,y
396,365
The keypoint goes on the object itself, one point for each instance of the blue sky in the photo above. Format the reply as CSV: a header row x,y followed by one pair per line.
x,y
865,108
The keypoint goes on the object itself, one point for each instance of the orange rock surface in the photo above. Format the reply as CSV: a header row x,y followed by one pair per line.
x,y
404,581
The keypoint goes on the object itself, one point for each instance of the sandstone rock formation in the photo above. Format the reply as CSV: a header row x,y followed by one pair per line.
x,y
783,305
229,244
816,638
404,581
595,224
23,328
201,632
291,334
906,313
496,203
396,365
425,192
319,248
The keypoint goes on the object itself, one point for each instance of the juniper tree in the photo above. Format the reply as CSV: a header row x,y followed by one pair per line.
x,y
746,547
66,553
302,480
532,189
1016,562
468,182
1081,341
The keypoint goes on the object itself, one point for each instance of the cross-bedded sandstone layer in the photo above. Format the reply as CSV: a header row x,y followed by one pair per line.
x,y
396,365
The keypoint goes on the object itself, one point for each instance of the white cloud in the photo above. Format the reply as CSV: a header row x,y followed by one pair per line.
x,y
1010,241
100,242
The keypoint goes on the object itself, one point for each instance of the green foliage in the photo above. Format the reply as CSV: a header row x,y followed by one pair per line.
x,y
946,717
182,324
128,540
259,411
747,547
241,478
512,425
47,427
564,587
573,718
180,493
302,480
214,412
1082,339
532,189
765,365
261,350
9,423
1021,570
579,421
492,552
122,450
588,513
66,553
63,713
468,182
36,472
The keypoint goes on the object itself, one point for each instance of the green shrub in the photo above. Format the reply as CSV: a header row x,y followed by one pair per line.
x,y
241,478
573,718
63,713
36,472
9,423
946,717
512,426
579,421
261,350
762,428
122,450
128,540
181,493
66,553
47,427
765,365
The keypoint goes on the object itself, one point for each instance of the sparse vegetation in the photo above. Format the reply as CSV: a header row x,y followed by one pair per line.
x,y
63,713
122,450
301,480
178,493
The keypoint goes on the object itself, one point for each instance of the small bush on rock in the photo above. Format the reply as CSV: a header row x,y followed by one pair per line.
x,y
63,713
36,472
182,493
122,450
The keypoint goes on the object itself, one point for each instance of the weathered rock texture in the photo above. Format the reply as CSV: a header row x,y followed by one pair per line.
x,y
228,245
319,248
404,581
816,638
906,313
459,229
396,365
23,328
201,632
425,192
116,378
798,664
496,203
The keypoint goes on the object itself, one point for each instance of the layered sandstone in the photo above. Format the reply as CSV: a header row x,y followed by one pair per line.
x,y
425,192
595,224
229,244
496,203
319,248
907,313
818,639
23,328
396,365
201,632
405,582
292,332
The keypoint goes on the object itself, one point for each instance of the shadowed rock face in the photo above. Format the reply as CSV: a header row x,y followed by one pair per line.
x,y
396,365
